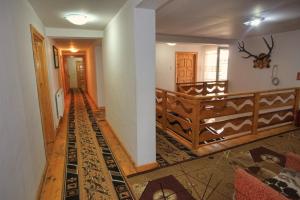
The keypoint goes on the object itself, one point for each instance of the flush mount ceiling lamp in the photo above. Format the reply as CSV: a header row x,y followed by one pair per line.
x,y
171,43
76,18
73,50
254,22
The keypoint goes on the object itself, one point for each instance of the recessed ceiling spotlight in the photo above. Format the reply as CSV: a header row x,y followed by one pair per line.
x,y
77,19
254,22
171,44
73,50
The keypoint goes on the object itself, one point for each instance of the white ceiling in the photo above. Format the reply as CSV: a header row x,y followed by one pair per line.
x,y
81,44
224,18
52,12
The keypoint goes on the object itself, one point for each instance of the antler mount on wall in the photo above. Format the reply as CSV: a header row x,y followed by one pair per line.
x,y
262,60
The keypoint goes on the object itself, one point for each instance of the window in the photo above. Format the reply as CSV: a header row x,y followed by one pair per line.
x,y
223,64
216,64
210,65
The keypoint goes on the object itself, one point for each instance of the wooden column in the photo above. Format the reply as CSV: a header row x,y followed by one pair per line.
x,y
297,99
196,124
204,91
164,110
256,99
226,87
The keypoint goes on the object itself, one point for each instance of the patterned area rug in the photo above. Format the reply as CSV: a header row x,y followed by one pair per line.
x,y
91,170
212,177
169,151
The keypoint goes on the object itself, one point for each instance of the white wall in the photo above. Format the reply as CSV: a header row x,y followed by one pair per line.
x,y
166,62
54,79
243,77
128,55
91,74
22,155
99,74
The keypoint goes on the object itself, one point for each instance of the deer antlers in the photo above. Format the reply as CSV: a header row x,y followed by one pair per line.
x,y
269,47
241,47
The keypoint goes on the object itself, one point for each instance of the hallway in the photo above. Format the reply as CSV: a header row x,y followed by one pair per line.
x,y
91,169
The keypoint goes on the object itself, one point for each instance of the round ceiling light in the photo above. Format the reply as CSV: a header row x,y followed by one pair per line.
x,y
73,50
254,22
77,19
171,44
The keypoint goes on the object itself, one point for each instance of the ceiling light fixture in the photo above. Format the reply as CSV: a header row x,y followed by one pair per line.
x,y
171,44
73,50
254,22
77,19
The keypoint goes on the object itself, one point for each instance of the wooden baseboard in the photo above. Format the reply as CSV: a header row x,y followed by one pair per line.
x,y
141,168
119,141
42,180
147,167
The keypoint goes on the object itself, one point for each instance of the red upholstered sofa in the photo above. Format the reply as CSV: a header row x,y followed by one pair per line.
x,y
248,187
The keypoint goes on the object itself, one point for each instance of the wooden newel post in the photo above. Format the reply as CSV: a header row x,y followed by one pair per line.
x,y
256,99
164,110
204,91
297,102
226,87
196,124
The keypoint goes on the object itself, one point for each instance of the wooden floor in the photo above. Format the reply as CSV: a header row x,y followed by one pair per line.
x,y
53,185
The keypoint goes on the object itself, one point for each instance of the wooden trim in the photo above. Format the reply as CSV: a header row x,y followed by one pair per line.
x,y
48,135
255,112
141,168
195,64
42,181
147,167
119,141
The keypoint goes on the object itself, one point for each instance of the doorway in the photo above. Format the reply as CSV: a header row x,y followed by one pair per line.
x,y
75,69
41,73
186,65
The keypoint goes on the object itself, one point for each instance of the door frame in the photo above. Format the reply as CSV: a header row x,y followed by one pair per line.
x,y
48,135
76,55
195,54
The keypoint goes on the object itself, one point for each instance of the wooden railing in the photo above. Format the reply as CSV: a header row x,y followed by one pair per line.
x,y
203,88
198,119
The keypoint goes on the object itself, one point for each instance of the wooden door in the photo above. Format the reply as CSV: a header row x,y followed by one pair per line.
x,y
81,75
41,74
186,63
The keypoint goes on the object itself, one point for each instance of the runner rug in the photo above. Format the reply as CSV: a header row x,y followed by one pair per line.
x,y
91,169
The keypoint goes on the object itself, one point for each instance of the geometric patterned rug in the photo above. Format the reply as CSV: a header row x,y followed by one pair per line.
x,y
212,177
169,151
91,169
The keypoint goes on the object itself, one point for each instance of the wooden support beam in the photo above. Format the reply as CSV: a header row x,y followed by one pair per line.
x,y
256,99
196,124
164,110
297,102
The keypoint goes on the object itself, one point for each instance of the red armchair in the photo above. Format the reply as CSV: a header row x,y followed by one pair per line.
x,y
248,187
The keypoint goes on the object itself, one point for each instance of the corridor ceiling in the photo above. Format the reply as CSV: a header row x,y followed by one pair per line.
x,y
224,18
81,44
100,12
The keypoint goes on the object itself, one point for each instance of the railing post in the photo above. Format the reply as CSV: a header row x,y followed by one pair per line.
x,y
256,99
296,104
226,87
204,91
164,110
196,124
